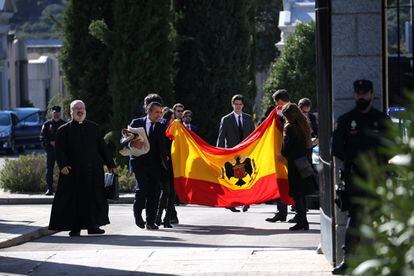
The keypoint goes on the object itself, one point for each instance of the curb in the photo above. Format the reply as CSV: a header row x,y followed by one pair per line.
x,y
49,200
38,233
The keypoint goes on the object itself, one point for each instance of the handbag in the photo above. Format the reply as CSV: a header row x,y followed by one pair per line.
x,y
111,186
304,167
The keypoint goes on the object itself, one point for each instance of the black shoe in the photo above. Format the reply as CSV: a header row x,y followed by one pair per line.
x,y
74,233
340,269
96,231
277,217
300,226
233,209
152,226
245,208
167,224
293,220
139,221
49,192
174,221
293,208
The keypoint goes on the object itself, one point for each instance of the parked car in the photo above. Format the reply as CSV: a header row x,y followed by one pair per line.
x,y
27,131
8,123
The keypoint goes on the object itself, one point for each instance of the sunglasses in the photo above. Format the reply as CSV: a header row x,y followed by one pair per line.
x,y
179,111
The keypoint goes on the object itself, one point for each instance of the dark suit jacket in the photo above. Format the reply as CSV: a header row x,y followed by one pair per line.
x,y
229,131
156,158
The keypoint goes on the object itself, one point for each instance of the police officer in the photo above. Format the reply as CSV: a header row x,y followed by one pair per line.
x,y
47,136
357,131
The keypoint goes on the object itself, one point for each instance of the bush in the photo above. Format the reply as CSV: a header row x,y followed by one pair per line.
x,y
28,174
387,231
25,174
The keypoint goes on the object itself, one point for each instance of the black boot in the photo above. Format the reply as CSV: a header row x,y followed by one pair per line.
x,y
139,221
277,217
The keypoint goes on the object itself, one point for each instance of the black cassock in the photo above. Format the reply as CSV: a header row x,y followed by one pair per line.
x,y
80,201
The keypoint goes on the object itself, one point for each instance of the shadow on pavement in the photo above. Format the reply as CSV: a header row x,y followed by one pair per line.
x,y
11,228
234,230
32,267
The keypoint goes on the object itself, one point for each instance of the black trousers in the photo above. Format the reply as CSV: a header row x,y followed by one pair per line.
x,y
281,207
50,166
300,205
147,191
167,199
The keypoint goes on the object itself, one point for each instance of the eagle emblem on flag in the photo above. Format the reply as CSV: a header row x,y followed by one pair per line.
x,y
239,168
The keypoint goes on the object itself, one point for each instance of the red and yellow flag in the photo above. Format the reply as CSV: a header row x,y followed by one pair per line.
x,y
243,175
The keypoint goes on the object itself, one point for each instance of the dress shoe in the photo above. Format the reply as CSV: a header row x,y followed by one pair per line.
x,y
152,226
96,231
293,220
174,221
139,221
49,192
167,224
74,233
277,217
340,269
245,208
300,226
233,209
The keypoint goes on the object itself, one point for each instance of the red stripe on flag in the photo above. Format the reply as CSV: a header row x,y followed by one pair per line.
x,y
201,192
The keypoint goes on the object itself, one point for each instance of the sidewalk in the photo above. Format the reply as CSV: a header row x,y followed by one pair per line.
x,y
39,198
19,224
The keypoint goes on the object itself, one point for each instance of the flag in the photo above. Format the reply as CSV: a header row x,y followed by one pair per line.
x,y
245,174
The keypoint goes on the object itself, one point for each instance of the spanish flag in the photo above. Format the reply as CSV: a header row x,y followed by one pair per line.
x,y
243,175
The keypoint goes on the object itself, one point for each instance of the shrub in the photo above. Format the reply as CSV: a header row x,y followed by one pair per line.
x,y
387,231
25,174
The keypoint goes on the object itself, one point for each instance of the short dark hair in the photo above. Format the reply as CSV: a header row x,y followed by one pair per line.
x,y
167,113
281,94
187,112
151,105
152,98
178,105
237,97
304,102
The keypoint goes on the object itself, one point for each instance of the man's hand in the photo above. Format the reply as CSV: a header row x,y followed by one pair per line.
x,y
114,170
66,170
137,144
52,143
280,159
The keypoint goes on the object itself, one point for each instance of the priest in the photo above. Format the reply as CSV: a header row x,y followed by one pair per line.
x,y
81,153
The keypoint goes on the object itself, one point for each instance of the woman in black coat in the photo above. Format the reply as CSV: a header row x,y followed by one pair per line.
x,y
296,144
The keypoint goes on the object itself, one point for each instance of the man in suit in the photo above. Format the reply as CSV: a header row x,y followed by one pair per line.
x,y
234,128
187,120
147,167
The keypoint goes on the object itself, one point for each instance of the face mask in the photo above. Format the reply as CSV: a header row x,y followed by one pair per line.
x,y
362,104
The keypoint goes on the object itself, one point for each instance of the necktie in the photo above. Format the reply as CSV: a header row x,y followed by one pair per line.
x,y
151,130
240,129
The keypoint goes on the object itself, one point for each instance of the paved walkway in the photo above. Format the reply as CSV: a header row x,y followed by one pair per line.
x,y
208,241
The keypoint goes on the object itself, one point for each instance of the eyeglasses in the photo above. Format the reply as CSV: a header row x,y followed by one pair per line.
x,y
187,116
179,111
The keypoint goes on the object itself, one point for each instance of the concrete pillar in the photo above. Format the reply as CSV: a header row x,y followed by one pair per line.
x,y
356,53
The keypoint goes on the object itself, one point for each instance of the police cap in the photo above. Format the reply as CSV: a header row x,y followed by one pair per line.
x,y
56,108
362,86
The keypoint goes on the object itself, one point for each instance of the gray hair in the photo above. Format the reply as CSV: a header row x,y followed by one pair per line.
x,y
73,103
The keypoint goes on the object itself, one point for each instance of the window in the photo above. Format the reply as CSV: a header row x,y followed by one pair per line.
x,y
399,49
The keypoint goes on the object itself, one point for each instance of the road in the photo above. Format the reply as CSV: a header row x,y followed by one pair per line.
x,y
208,241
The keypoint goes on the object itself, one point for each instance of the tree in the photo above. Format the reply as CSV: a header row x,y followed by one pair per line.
x,y
141,43
85,60
295,69
215,58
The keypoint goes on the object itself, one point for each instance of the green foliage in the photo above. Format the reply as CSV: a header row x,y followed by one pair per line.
x,y
141,60
85,60
295,69
267,32
215,58
25,174
387,233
